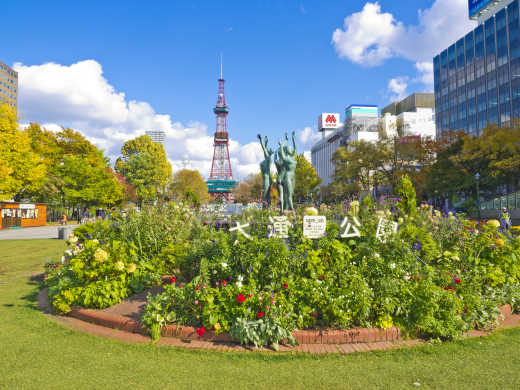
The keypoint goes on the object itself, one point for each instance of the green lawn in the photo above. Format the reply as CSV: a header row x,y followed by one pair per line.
x,y
36,353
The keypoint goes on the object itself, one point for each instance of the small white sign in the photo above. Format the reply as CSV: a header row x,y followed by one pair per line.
x,y
280,227
314,226
26,206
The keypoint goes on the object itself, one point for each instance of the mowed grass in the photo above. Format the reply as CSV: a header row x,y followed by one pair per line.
x,y
37,353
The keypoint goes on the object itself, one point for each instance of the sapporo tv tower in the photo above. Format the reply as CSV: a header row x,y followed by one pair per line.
x,y
220,182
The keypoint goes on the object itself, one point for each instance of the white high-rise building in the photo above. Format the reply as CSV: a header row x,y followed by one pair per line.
x,y
156,136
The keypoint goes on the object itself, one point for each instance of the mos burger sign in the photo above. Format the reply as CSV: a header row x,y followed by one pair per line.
x,y
328,121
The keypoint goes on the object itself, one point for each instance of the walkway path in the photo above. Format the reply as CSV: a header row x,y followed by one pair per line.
x,y
31,233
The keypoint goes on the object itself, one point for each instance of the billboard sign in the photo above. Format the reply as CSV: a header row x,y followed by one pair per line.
x,y
475,6
328,121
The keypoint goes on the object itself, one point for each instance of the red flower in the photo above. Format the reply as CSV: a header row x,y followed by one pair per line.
x,y
260,315
457,280
249,295
172,279
224,283
449,288
241,298
57,266
197,288
466,310
201,331
285,285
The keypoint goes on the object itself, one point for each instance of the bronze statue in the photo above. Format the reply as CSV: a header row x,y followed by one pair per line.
x,y
285,162
265,167
288,158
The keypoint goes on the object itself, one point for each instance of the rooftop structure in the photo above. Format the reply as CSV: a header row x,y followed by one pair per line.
x,y
410,104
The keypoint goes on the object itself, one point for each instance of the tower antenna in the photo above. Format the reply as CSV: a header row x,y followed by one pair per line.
x,y
221,74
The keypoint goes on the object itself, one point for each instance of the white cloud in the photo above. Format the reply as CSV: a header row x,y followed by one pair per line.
x,y
78,96
425,70
370,37
307,137
398,86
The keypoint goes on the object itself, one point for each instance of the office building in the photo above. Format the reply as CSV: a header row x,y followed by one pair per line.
x,y
361,124
8,85
412,116
156,136
477,79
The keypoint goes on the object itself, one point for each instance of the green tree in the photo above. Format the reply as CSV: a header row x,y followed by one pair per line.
x,y
144,165
78,174
307,180
188,184
21,170
85,185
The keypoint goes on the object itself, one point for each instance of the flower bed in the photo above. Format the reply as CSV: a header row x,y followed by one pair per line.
x,y
438,276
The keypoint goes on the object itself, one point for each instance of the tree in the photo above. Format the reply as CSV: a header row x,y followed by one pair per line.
x,y
307,180
445,178
85,185
78,174
250,189
144,165
189,184
21,171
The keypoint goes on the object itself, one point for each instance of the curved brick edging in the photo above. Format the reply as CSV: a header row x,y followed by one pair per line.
x,y
305,337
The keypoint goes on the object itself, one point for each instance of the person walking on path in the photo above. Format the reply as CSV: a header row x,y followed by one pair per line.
x,y
63,219
505,220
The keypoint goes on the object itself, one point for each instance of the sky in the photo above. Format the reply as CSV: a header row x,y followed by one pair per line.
x,y
114,69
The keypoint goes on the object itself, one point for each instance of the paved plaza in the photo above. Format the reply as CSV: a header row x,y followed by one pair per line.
x,y
31,233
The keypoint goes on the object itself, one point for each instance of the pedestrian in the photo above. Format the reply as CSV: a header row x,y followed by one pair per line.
x,y
505,220
63,219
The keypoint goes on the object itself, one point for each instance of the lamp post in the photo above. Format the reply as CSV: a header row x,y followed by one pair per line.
x,y
477,179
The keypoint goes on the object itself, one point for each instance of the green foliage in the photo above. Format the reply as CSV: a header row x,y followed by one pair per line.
x,y
405,191
189,185
306,178
21,171
144,165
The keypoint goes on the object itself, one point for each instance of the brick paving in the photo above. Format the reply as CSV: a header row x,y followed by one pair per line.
x,y
126,314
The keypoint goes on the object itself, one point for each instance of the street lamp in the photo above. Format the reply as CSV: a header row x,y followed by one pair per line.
x,y
477,179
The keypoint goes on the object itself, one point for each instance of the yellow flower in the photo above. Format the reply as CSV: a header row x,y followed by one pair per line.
x,y
95,241
217,326
311,211
119,266
385,322
493,223
131,268
100,255
500,243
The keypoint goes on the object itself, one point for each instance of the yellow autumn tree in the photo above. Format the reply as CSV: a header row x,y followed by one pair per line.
x,y
21,169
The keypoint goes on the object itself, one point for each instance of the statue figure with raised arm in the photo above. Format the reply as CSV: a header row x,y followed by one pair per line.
x,y
287,156
265,167
280,177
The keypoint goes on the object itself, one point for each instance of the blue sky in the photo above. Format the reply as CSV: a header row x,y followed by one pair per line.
x,y
281,62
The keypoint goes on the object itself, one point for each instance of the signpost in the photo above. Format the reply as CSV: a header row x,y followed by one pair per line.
x,y
314,226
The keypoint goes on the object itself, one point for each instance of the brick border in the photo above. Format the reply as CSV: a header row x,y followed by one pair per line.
x,y
303,337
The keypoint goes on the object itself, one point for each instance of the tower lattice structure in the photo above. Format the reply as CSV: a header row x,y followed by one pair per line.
x,y
221,183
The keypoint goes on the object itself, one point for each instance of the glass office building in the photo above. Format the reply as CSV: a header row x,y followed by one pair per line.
x,y
477,79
